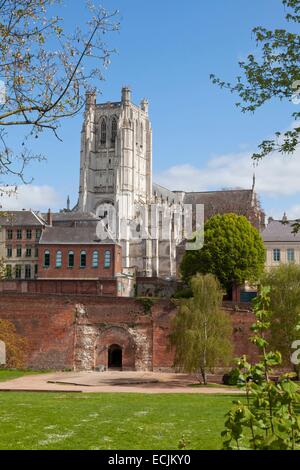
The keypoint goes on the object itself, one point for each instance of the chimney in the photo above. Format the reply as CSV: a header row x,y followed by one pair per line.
x,y
126,95
49,218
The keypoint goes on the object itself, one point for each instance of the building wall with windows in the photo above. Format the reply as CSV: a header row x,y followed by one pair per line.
x,y
19,241
79,261
282,245
76,253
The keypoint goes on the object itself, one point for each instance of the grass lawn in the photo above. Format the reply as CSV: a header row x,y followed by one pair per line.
x,y
15,374
111,421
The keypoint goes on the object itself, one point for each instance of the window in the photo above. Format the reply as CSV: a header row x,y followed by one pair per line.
x,y
28,251
290,255
142,135
19,251
47,259
114,130
9,234
29,234
58,259
276,254
9,251
27,271
19,234
18,270
107,259
95,259
38,234
8,271
36,252
36,269
103,132
83,259
71,260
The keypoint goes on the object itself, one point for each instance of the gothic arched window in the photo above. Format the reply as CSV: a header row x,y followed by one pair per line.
x,y
142,135
114,130
71,259
83,259
103,132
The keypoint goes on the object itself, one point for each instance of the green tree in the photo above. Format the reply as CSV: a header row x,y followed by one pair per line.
x,y
273,73
233,251
268,418
45,72
16,345
201,331
284,282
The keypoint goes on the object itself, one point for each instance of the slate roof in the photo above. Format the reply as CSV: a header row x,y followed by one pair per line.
x,y
77,235
277,231
21,218
238,201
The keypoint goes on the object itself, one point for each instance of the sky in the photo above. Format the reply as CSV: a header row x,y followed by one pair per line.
x,y
166,51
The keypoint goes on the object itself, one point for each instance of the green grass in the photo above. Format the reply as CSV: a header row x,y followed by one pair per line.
x,y
15,374
111,421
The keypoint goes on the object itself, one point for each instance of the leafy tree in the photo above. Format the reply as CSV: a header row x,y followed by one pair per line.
x,y
45,71
284,282
201,331
233,251
274,73
268,418
16,345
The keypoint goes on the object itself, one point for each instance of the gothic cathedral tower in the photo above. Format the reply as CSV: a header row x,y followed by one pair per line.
x,y
116,160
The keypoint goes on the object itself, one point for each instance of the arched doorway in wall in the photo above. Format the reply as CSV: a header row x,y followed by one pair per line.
x,y
115,357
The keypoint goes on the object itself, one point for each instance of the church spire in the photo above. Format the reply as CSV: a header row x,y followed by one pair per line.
x,y
68,204
254,182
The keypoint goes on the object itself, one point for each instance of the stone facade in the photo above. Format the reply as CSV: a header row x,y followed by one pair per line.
x,y
116,177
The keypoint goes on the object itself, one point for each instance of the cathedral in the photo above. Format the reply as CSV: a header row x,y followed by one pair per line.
x,y
149,221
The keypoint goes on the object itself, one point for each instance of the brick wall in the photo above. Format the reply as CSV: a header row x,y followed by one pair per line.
x,y
69,331
76,272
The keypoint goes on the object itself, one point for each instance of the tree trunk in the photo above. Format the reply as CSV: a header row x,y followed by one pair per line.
x,y
203,374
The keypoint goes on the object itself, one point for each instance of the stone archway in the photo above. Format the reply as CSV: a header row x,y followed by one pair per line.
x,y
115,348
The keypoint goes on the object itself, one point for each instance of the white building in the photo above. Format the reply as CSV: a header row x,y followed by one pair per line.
x,y
282,245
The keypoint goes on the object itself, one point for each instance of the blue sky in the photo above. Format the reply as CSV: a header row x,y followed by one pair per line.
x,y
166,51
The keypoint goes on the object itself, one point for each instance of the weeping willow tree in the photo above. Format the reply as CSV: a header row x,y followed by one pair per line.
x,y
201,331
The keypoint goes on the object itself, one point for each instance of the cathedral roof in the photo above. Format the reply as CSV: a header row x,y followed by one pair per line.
x,y
238,201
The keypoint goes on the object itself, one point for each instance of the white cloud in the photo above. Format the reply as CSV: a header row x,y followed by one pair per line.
x,y
276,175
31,197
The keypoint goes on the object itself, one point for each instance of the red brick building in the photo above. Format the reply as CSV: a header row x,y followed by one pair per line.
x,y
77,253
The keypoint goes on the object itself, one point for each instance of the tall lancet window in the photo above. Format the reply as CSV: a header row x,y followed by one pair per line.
x,y
103,132
114,130
142,135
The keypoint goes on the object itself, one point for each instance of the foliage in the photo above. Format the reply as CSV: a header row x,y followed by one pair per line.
x,y
231,377
147,304
183,293
269,420
233,251
201,331
273,74
16,345
284,282
46,71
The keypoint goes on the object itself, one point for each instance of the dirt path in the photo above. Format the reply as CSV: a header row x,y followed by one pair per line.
x,y
109,382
